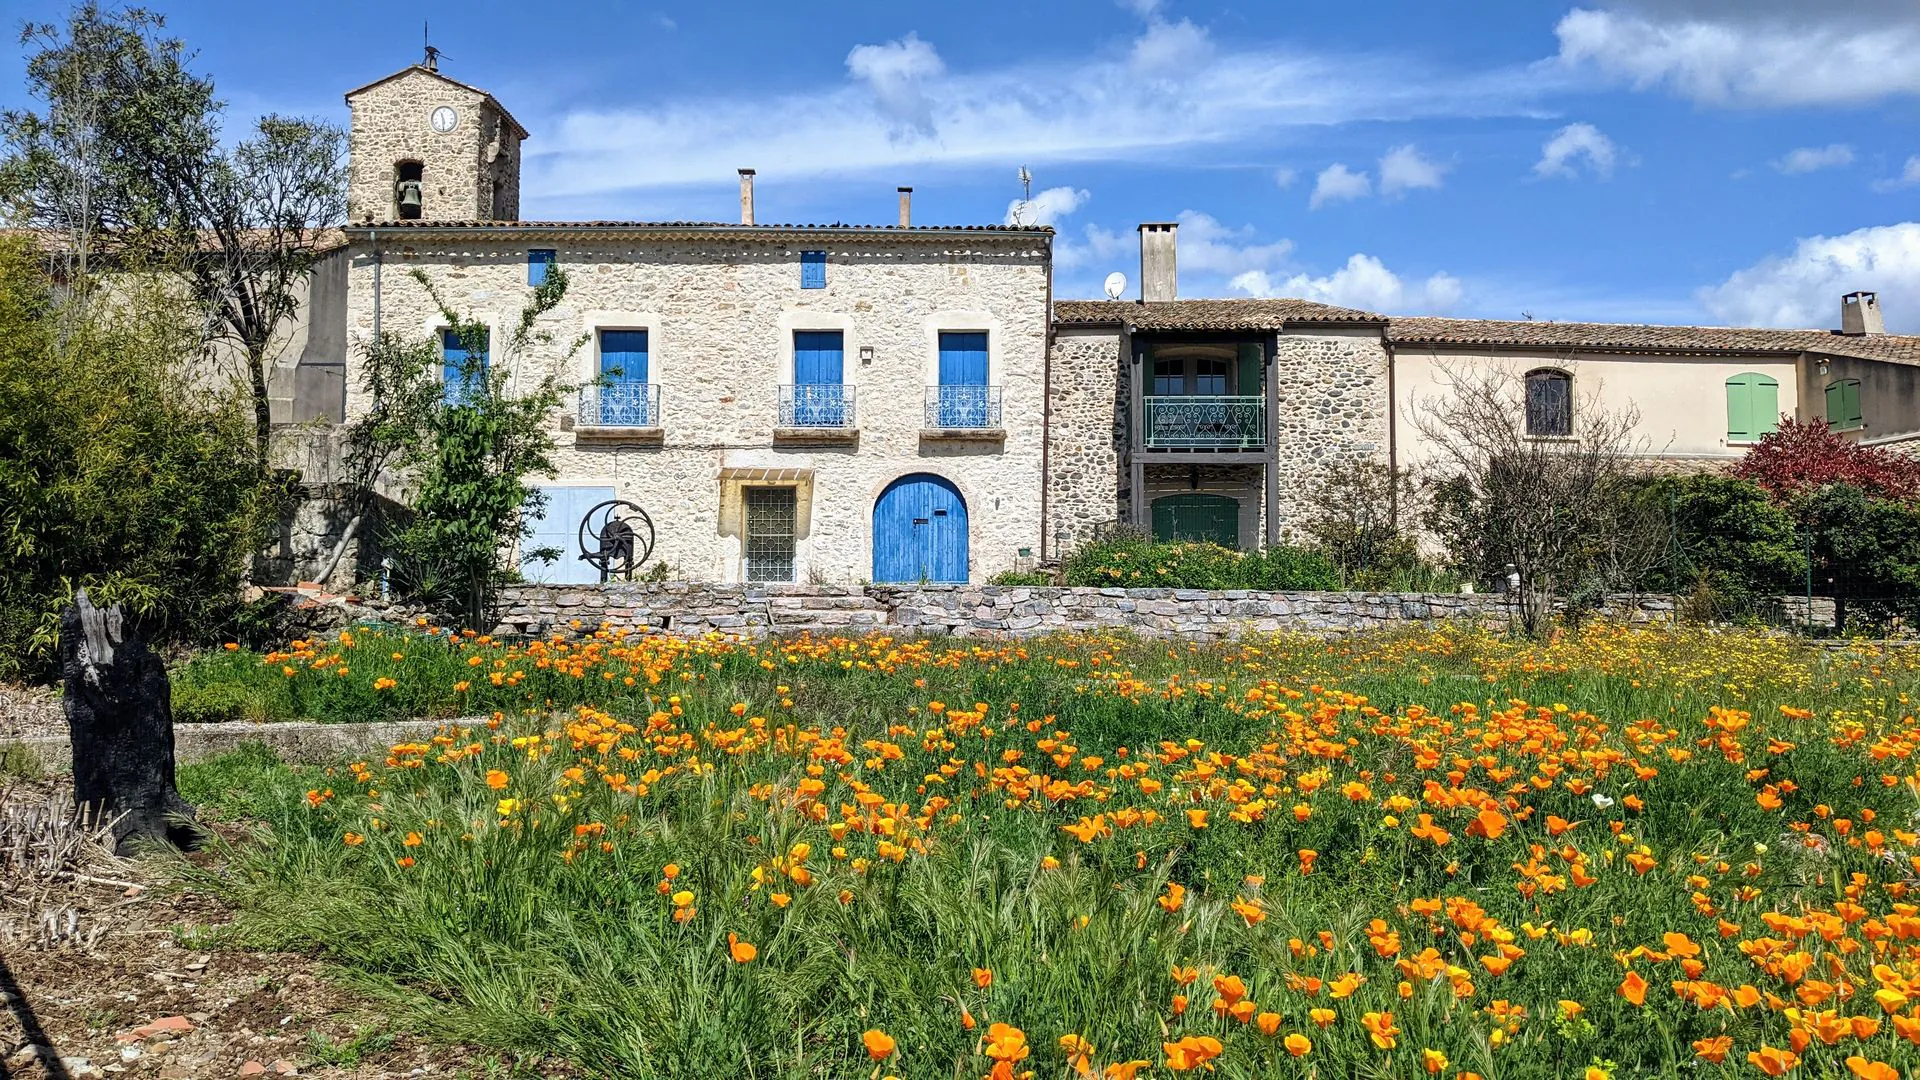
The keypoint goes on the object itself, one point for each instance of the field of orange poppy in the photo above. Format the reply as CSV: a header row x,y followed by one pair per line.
x,y
1618,853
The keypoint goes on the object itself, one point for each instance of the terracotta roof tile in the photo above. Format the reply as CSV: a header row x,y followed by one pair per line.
x,y
1639,337
717,226
1240,314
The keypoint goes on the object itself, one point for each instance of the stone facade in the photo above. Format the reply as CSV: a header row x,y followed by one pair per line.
x,y
1088,419
1333,401
720,305
690,610
470,173
1334,398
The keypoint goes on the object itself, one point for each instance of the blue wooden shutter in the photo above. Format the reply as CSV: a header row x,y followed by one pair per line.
x,y
537,262
963,359
460,375
813,269
623,355
818,356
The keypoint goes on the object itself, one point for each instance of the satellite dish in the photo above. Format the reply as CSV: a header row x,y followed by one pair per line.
x,y
1116,284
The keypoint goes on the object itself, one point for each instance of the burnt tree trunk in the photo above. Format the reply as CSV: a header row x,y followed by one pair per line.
x,y
120,718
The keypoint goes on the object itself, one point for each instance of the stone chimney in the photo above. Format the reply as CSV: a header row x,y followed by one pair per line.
x,y
1860,314
1159,279
906,207
746,196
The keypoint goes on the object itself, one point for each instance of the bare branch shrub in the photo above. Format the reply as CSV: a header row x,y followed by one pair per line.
x,y
1556,511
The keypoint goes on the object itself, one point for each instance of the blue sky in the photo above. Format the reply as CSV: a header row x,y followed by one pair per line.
x,y
1719,161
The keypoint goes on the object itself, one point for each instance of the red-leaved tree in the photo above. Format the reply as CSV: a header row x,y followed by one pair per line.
x,y
1804,455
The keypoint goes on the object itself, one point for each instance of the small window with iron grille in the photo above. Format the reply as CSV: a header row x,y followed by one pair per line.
x,y
770,512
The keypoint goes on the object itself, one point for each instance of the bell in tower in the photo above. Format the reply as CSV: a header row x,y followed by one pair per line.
x,y
406,190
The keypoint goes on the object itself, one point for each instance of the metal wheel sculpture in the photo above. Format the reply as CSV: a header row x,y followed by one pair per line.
x,y
616,536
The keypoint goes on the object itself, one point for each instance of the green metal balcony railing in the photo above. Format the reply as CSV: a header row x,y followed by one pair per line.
x,y
1205,422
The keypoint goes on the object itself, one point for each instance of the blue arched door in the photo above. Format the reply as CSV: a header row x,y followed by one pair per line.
x,y
919,531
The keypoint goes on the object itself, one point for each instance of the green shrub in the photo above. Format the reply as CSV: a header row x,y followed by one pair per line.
x,y
1034,578
1130,560
212,703
120,472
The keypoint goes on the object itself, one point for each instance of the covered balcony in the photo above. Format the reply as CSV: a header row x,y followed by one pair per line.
x,y
1203,396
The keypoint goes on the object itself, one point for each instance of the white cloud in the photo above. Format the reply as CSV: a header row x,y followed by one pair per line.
x,y
1403,169
1803,288
902,107
897,73
1337,183
1752,54
1364,282
1908,177
1560,154
1170,47
1284,176
1808,159
1046,207
664,21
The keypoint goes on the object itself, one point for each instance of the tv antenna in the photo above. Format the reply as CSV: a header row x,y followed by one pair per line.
x,y
1026,185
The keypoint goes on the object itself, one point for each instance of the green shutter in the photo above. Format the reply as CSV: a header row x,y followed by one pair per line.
x,y
1753,406
1251,358
1843,405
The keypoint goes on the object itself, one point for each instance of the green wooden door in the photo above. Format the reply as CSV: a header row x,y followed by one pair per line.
x,y
1197,517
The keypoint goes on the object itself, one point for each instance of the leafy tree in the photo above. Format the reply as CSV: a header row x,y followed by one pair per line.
x,y
126,159
1353,517
464,452
119,473
1804,454
1733,546
1866,550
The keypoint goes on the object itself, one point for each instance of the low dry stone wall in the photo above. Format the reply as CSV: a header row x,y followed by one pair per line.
x,y
691,610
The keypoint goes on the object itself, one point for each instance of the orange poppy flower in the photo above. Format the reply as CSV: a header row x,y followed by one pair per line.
x,y
1634,988
1773,1061
879,1044
1191,1052
1268,1023
743,952
983,977
1871,1070
1713,1050
1297,1044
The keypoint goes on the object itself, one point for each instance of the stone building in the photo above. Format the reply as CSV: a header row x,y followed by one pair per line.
x,y
786,402
899,402
1213,418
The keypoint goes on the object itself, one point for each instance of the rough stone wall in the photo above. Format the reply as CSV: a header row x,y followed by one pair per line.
x,y
985,610
1084,463
389,124
1334,403
720,314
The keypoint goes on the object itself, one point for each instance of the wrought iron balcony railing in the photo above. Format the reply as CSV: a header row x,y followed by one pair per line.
x,y
821,405
1206,423
621,404
963,407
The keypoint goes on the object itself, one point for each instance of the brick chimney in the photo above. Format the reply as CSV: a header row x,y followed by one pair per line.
x,y
1860,314
746,196
1159,278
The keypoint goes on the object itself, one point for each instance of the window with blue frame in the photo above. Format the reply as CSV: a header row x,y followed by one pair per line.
x,y
818,397
462,375
963,398
626,396
813,269
538,260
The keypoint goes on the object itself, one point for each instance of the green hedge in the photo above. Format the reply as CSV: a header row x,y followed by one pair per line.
x,y
1135,562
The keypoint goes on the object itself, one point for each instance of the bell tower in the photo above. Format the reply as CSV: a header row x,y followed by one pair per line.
x,y
424,147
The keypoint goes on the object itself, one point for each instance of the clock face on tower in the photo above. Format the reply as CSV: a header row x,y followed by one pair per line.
x,y
443,119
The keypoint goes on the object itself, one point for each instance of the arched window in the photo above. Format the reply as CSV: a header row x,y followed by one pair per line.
x,y
1843,405
1753,406
1549,403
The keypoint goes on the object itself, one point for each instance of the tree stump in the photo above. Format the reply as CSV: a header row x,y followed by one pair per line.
x,y
120,717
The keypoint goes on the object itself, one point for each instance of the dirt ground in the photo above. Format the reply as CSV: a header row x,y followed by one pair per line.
x,y
113,986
